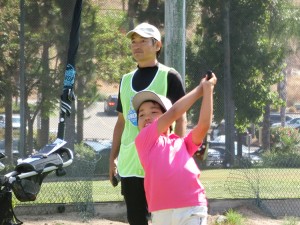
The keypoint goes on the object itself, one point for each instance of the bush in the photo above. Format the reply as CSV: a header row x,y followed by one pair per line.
x,y
84,153
99,160
281,159
285,139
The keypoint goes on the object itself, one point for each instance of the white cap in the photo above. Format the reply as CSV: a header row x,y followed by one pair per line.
x,y
143,96
146,30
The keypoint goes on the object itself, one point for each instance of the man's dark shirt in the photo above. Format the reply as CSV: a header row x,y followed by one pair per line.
x,y
144,76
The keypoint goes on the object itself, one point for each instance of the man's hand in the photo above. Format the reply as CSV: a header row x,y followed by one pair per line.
x,y
113,173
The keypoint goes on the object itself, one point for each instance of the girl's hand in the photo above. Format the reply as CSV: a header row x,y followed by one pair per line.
x,y
211,78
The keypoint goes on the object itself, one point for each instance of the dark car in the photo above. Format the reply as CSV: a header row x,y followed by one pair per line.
x,y
15,146
102,148
276,118
110,104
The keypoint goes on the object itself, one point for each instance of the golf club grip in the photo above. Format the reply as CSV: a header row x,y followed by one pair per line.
x,y
209,74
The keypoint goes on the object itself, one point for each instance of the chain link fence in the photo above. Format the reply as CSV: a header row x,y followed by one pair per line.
x,y
269,177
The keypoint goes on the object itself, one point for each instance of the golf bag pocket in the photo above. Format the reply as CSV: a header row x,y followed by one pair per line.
x,y
27,189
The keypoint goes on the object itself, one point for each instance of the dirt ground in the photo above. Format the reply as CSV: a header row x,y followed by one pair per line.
x,y
253,217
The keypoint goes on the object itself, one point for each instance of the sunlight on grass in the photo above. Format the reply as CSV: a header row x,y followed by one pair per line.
x,y
218,183
290,221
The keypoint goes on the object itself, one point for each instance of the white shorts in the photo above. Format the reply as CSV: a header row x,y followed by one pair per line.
x,y
195,215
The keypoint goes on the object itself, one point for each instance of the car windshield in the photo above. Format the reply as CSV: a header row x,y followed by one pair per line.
x,y
294,121
99,145
16,120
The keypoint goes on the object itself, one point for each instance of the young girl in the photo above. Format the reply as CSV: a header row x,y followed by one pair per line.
x,y
174,193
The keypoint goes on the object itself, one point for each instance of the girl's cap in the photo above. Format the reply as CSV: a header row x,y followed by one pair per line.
x,y
143,96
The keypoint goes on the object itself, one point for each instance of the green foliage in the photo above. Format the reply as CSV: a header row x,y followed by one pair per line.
x,y
285,148
84,153
285,140
232,218
104,51
279,159
258,48
290,221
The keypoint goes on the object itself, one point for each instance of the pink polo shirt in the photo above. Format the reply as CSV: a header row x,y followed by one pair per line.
x,y
171,174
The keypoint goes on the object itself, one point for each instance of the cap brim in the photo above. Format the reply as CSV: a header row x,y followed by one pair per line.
x,y
141,33
143,96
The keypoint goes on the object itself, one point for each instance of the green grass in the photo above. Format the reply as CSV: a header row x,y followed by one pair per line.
x,y
234,218
267,183
218,183
290,221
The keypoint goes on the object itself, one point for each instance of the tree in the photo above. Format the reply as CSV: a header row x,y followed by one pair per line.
x,y
257,55
8,64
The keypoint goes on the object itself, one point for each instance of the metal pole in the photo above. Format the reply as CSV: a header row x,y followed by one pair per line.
x,y
229,103
22,82
174,43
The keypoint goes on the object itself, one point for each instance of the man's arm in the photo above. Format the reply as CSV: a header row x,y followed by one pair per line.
x,y
175,92
118,130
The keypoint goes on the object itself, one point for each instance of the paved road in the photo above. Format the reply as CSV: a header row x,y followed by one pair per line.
x,y
97,124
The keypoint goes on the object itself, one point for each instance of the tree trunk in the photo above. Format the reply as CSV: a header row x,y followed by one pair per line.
x,y
43,133
281,88
8,120
266,129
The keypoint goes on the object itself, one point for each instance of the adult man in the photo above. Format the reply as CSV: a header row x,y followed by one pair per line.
x,y
150,75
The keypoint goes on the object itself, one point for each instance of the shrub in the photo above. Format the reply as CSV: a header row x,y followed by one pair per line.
x,y
285,139
232,218
281,159
84,153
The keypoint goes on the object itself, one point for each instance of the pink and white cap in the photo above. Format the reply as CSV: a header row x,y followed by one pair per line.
x,y
143,96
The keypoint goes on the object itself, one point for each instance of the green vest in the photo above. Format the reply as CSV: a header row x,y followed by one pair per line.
x,y
128,161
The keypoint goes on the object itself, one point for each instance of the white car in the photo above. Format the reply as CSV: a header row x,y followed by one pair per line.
x,y
16,121
219,142
294,123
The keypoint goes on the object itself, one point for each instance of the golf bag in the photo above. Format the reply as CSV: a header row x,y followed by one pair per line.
x,y
26,179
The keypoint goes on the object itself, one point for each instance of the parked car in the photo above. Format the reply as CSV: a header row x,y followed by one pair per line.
x,y
2,121
15,146
276,118
218,144
102,149
215,157
110,104
16,121
294,123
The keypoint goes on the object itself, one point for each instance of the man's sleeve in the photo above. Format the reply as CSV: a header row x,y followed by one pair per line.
x,y
119,105
175,86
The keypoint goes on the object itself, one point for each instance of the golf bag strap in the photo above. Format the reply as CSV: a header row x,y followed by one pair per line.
x,y
8,216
